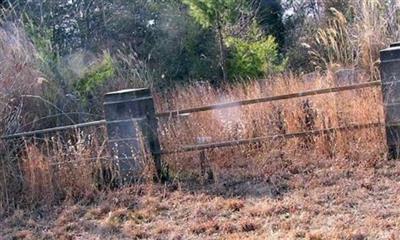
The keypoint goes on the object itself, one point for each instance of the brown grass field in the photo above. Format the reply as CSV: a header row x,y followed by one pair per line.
x,y
338,185
315,203
333,186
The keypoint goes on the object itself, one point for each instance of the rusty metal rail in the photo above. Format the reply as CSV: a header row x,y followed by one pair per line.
x,y
55,129
205,146
198,147
68,127
205,108
174,113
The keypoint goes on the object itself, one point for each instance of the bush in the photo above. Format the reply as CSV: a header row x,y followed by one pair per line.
x,y
253,58
95,76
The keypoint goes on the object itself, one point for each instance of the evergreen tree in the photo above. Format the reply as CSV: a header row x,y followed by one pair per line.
x,y
216,14
269,17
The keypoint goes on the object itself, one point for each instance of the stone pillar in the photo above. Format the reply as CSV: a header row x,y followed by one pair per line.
x,y
390,75
132,125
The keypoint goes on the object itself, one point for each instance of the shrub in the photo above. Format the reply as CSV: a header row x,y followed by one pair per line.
x,y
254,58
95,76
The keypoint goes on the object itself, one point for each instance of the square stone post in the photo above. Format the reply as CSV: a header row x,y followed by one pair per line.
x,y
390,75
131,125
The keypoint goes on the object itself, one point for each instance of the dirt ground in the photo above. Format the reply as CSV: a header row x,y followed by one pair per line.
x,y
316,203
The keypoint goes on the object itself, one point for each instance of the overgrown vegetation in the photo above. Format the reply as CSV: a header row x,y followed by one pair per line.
x,y
253,58
95,76
60,57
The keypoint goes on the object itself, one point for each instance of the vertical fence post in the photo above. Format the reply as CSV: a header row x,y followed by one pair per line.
x,y
390,75
131,123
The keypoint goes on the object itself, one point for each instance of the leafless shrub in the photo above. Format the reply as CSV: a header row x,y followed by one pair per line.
x,y
19,75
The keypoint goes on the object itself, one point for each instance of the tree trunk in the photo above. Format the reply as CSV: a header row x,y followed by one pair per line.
x,y
222,52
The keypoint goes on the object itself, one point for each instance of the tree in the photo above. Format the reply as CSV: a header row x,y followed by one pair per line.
x,y
253,59
253,56
269,15
169,44
218,15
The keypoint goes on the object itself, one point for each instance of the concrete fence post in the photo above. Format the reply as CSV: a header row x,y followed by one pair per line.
x,y
131,125
390,76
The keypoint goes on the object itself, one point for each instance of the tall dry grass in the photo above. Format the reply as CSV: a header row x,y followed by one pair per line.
x,y
58,167
19,76
354,38
52,169
346,148
37,171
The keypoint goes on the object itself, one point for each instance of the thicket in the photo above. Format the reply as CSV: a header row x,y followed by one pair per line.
x,y
164,43
60,57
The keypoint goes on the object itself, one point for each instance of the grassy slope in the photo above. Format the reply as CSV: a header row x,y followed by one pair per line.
x,y
317,203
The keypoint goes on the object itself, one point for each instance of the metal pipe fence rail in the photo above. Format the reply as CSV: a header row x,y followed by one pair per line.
x,y
233,143
174,113
205,146
55,129
132,122
65,128
110,123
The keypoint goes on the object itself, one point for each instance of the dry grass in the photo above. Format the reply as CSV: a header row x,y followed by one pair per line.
x,y
49,170
333,186
355,37
364,147
322,203
69,166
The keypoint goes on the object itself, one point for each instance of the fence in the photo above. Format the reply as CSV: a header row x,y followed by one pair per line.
x,y
264,100
132,122
47,164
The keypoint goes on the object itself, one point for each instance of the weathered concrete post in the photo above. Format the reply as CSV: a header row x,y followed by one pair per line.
x,y
131,124
390,74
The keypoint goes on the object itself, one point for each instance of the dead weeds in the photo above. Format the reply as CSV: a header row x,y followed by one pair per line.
x,y
323,203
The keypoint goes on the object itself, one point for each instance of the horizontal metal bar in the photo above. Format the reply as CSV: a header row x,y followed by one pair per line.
x,y
268,99
197,147
55,129
68,127
123,140
91,159
391,104
126,120
393,124
58,164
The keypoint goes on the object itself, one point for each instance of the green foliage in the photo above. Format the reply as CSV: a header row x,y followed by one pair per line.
x,y
253,58
182,51
208,12
95,76
269,15
41,39
175,41
217,15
